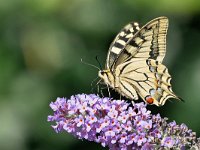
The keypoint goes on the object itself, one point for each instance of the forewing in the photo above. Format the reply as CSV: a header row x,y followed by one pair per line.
x,y
147,43
149,78
120,42
150,41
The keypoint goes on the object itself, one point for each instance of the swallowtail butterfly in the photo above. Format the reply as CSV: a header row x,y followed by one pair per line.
x,y
134,63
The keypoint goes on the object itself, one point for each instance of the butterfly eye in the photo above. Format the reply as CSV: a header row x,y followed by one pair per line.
x,y
102,72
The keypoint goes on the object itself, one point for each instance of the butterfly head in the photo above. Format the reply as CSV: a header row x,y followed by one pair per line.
x,y
107,76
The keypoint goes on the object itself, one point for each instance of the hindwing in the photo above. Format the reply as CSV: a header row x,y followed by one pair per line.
x,y
149,78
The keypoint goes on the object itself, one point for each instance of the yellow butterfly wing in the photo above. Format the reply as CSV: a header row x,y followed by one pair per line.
x,y
134,62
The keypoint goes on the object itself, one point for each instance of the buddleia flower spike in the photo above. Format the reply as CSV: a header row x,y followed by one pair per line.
x,y
118,125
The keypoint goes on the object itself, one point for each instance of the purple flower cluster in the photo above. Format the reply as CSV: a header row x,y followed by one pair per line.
x,y
118,124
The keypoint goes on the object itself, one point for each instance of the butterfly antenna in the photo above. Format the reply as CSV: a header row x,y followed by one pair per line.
x,y
99,62
86,63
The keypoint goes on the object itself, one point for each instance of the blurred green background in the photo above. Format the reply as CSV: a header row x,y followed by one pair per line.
x,y
42,42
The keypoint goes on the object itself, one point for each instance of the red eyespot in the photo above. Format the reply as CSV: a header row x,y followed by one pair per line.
x,y
149,100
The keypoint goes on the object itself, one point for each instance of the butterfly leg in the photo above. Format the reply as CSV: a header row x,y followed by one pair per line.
x,y
92,89
94,81
93,86
98,89
102,93
108,91
132,102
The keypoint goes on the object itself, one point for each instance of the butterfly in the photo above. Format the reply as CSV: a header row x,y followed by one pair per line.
x,y
134,63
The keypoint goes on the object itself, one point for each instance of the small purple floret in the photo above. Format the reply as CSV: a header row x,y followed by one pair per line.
x,y
118,124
